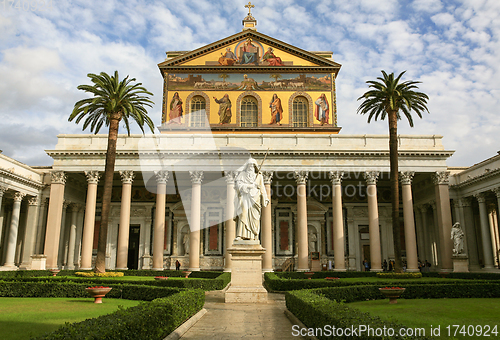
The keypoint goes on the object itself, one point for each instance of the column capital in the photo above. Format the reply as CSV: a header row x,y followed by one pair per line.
x,y
300,176
33,200
406,177
480,197
336,176
465,201
18,196
66,204
432,204
371,177
3,189
230,176
58,177
196,176
422,208
92,176
127,176
268,176
496,191
161,176
441,177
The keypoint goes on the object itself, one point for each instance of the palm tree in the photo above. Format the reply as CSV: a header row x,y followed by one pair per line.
x,y
275,76
113,100
388,97
224,77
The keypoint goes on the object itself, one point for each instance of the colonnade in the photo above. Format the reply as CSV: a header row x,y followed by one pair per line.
x,y
55,216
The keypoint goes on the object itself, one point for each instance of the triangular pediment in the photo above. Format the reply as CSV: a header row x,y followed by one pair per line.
x,y
249,49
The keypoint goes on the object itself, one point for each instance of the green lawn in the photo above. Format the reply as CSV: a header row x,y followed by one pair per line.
x,y
427,313
24,318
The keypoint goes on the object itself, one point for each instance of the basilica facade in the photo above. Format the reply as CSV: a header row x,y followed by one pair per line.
x,y
248,95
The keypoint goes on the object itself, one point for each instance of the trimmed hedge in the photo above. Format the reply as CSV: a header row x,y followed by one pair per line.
x,y
413,291
317,311
77,290
391,275
93,274
274,283
322,275
150,320
192,283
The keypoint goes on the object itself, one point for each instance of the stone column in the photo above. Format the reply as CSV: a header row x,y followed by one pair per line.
x,y
30,234
70,263
42,220
485,232
467,221
493,232
89,222
338,223
409,221
427,250
441,181
3,189
373,221
230,226
79,234
267,233
54,216
497,194
124,227
159,225
12,235
63,241
195,223
303,244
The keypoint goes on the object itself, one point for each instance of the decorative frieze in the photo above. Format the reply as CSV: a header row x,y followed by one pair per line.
x,y
336,177
58,177
300,176
196,176
371,177
92,176
268,176
127,176
161,176
406,177
441,177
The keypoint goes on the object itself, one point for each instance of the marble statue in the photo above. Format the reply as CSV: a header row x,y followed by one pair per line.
x,y
251,196
457,235
185,242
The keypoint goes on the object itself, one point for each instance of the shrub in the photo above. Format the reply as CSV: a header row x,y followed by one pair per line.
x,y
316,311
93,274
149,320
399,275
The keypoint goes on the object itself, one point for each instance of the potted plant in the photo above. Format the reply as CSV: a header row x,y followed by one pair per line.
x,y
98,292
309,275
161,277
392,293
54,271
186,273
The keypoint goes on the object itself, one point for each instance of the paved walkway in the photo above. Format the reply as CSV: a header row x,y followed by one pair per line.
x,y
242,321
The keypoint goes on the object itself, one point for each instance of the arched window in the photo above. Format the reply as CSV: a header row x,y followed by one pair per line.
x,y
197,114
249,112
299,112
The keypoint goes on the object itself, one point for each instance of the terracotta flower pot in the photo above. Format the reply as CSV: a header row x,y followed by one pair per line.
x,y
54,271
161,278
98,293
309,275
392,293
186,273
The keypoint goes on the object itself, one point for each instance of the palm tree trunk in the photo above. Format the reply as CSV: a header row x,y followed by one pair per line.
x,y
109,170
393,159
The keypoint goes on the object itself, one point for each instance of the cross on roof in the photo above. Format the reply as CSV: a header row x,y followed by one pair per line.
x,y
249,6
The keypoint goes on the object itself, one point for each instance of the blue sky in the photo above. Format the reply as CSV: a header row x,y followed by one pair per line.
x,y
451,46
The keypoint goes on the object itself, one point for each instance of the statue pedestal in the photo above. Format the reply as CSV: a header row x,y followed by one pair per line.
x,y
246,273
460,264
